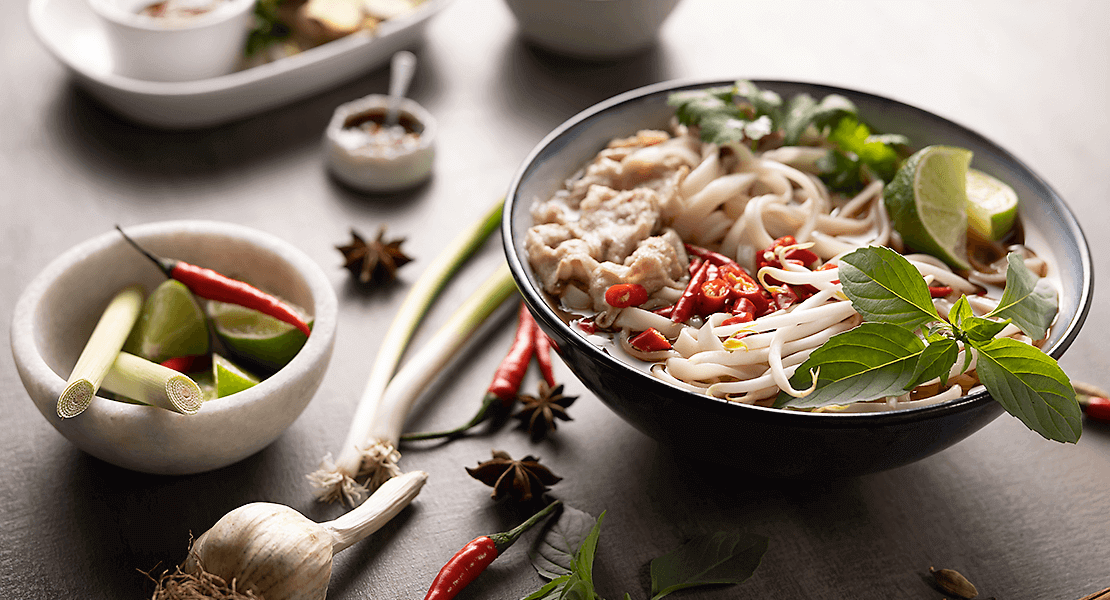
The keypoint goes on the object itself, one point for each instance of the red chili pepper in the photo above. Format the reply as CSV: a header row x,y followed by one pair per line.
x,y
189,363
803,256
623,295
1096,408
939,291
665,311
506,382
650,340
785,297
714,296
211,285
542,345
684,308
745,286
467,564
709,255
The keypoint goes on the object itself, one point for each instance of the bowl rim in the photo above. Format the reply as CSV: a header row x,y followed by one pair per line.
x,y
535,300
316,350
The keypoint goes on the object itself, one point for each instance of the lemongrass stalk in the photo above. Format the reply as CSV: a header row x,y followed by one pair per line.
x,y
400,332
150,383
100,351
370,450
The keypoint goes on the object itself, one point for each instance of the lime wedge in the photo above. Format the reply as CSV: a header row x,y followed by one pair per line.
x,y
255,338
170,324
991,205
927,201
230,378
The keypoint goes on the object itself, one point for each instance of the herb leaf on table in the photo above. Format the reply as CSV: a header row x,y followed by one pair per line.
x,y
717,558
566,554
887,291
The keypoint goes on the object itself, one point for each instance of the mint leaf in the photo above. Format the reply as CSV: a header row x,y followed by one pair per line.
x,y
884,287
871,361
1029,301
935,362
718,558
982,330
1031,386
552,554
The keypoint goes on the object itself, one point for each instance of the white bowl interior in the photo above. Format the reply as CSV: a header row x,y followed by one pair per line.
x,y
60,308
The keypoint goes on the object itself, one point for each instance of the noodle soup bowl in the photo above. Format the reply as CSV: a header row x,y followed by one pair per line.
x,y
60,307
767,441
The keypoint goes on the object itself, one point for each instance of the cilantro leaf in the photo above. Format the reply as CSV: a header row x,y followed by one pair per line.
x,y
872,361
712,559
803,111
859,156
1029,301
884,287
1031,386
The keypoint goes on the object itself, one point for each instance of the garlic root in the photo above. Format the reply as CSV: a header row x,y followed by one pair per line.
x,y
278,553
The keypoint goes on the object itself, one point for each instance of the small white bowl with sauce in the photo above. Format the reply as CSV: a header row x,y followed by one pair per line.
x,y
368,156
175,40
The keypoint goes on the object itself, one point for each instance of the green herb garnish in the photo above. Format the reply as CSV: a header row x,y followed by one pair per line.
x,y
268,27
743,113
565,556
886,356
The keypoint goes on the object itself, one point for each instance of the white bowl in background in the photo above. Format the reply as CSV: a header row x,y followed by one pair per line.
x,y
167,49
591,29
59,308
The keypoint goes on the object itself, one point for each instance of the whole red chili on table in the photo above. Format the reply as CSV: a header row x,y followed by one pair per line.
x,y
210,285
467,564
502,391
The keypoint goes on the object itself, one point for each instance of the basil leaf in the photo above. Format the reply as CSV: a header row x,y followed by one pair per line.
x,y
584,558
1029,301
960,312
983,330
712,559
553,554
1031,386
551,590
935,362
884,287
871,361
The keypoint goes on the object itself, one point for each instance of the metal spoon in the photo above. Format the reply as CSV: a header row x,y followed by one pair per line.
x,y
401,68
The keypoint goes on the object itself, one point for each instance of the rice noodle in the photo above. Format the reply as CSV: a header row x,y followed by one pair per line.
x,y
737,202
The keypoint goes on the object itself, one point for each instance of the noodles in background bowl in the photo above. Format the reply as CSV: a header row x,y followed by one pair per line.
x,y
653,208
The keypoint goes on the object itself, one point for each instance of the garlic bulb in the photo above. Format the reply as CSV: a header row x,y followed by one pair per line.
x,y
280,554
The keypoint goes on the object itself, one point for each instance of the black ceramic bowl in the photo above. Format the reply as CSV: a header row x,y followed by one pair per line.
x,y
766,441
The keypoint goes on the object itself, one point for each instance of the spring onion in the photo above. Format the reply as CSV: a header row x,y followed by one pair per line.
x,y
100,351
335,478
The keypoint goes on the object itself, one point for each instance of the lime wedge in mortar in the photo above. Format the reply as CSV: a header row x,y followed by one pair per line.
x,y
230,378
254,337
170,324
927,201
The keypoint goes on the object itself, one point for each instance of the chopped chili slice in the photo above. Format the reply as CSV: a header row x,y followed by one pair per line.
x,y
715,296
745,286
709,255
650,340
939,291
623,295
587,325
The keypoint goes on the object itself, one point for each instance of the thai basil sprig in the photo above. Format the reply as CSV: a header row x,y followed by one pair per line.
x,y
904,342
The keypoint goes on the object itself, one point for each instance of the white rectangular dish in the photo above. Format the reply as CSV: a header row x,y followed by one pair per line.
x,y
73,34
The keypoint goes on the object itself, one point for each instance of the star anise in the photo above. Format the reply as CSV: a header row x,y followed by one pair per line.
x,y
538,413
521,480
376,260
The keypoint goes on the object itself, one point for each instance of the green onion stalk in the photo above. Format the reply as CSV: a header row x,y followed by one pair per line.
x,y
369,452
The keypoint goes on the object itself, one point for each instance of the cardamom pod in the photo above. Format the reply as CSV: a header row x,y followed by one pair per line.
x,y
952,582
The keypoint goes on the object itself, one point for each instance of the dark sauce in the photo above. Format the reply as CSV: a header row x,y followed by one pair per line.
x,y
374,119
